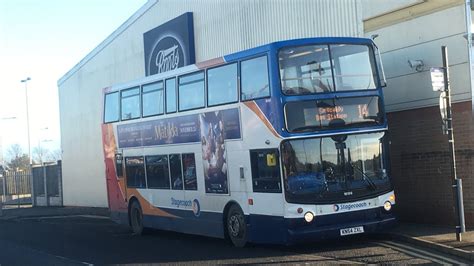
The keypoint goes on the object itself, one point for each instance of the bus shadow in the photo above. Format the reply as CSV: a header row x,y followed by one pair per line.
x,y
159,246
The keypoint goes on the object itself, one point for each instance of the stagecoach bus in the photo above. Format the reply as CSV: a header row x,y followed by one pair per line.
x,y
281,143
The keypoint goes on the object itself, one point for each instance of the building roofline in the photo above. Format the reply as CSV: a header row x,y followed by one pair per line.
x,y
108,40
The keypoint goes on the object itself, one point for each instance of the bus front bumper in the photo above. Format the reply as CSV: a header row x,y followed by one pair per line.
x,y
280,230
328,232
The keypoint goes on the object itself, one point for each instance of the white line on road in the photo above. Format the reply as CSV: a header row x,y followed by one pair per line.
x,y
38,254
413,251
64,216
75,261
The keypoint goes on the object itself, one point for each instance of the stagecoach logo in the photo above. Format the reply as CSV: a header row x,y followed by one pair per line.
x,y
196,207
180,203
349,206
170,45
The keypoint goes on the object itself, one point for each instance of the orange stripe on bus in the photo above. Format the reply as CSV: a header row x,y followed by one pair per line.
x,y
147,207
254,107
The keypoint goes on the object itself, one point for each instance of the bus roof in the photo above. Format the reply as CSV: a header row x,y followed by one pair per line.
x,y
294,42
238,56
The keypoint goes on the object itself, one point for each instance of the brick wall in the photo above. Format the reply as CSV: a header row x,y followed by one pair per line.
x,y
421,164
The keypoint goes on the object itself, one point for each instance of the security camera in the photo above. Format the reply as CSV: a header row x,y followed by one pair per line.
x,y
416,64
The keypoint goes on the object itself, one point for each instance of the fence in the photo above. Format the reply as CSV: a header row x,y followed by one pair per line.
x,y
42,186
47,185
15,188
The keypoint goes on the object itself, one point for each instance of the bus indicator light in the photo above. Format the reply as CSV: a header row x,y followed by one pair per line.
x,y
392,198
250,201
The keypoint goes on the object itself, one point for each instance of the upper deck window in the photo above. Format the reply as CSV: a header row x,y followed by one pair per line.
x,y
152,97
130,103
112,107
222,85
306,70
254,78
326,68
171,95
354,67
191,91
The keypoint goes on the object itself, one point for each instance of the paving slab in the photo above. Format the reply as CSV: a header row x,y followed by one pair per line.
x,y
15,213
441,238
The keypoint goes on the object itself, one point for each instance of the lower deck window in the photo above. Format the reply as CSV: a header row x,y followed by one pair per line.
x,y
175,170
157,171
135,171
189,171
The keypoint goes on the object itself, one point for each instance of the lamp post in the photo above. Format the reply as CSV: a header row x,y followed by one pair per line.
x,y
27,116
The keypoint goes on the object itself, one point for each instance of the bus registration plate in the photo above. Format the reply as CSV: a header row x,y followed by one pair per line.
x,y
352,230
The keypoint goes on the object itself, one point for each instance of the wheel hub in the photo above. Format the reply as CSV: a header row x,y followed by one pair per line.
x,y
234,225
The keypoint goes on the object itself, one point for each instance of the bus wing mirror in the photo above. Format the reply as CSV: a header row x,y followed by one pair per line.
x,y
380,70
119,164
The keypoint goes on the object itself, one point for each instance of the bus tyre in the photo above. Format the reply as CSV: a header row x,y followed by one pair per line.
x,y
236,226
136,218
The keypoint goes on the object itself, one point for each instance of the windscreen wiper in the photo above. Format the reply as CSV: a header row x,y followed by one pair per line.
x,y
366,178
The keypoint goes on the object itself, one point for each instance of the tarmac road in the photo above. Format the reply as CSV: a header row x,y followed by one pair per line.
x,y
82,239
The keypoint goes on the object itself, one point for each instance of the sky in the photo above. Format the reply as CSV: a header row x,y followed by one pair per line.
x,y
43,39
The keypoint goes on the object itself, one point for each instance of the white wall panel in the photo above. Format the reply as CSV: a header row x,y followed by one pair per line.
x,y
220,27
422,38
373,8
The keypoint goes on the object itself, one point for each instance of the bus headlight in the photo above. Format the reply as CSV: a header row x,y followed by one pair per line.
x,y
308,217
387,206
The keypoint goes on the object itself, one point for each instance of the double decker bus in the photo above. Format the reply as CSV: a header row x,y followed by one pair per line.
x,y
281,143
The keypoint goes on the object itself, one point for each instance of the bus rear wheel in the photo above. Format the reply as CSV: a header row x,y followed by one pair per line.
x,y
236,226
136,218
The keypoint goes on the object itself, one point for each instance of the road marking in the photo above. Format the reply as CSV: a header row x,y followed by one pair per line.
x,y
76,261
37,252
63,217
413,251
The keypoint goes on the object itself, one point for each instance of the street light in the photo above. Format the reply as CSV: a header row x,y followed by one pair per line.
x,y
27,116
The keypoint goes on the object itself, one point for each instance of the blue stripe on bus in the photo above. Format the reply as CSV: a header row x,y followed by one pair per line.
x,y
270,229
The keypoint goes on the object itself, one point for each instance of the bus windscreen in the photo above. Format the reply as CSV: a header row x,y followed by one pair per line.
x,y
326,68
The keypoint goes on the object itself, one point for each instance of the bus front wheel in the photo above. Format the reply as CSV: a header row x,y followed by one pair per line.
x,y
136,218
236,226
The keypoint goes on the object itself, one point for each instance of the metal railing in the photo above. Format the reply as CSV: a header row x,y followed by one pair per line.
x,y
15,188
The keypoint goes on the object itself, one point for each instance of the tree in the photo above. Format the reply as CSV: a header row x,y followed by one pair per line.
x,y
15,151
56,155
18,160
40,154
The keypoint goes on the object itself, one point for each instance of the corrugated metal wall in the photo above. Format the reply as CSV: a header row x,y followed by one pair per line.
x,y
220,27
224,26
